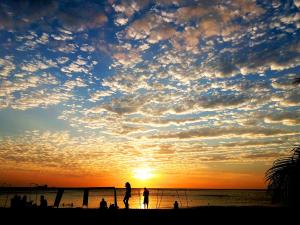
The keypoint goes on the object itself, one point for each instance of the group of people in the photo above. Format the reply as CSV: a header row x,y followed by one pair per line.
x,y
145,194
103,203
17,202
128,195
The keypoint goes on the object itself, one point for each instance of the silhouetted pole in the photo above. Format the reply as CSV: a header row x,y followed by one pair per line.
x,y
85,201
59,194
115,194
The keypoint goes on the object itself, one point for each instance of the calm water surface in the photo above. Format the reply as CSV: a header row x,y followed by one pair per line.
x,y
159,198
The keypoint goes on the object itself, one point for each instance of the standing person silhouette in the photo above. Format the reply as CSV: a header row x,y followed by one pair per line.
x,y
146,197
127,195
176,205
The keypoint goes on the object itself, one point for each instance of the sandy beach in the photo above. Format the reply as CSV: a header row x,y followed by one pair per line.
x,y
199,215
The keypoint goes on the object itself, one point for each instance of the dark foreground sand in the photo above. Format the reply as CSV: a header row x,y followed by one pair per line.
x,y
201,215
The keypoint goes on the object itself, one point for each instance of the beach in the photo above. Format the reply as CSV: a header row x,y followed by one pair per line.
x,y
198,215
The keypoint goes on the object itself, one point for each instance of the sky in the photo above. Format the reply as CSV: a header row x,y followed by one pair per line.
x,y
165,93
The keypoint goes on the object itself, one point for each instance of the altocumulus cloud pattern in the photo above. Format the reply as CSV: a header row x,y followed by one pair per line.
x,y
175,85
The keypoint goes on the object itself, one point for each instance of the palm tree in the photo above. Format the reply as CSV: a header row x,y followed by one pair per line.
x,y
297,80
284,179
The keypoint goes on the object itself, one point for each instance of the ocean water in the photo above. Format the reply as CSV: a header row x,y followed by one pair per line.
x,y
158,198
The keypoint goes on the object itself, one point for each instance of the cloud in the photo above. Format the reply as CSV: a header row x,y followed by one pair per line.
x,y
53,151
121,21
288,98
141,28
286,118
18,15
290,19
67,48
226,132
127,8
127,59
40,98
169,73
80,65
284,83
87,48
8,87
62,60
191,37
162,33
95,96
78,18
62,37
71,84
32,91
126,104
255,143
187,13
38,64
210,27
164,121
254,60
6,66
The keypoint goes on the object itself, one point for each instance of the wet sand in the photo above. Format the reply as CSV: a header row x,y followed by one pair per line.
x,y
200,215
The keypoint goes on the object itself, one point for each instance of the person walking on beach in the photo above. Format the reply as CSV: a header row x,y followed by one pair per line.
x,y
146,197
127,195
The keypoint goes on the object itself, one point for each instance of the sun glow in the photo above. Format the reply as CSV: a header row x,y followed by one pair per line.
x,y
143,173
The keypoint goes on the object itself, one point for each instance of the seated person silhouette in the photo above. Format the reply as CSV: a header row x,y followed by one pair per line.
x,y
176,205
24,203
15,202
103,204
43,202
112,207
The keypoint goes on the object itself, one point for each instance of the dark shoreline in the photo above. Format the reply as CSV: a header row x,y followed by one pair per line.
x,y
197,215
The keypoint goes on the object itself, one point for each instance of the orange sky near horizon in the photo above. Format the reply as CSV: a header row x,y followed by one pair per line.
x,y
208,180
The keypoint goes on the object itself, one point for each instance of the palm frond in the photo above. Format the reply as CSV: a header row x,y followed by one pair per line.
x,y
297,80
284,178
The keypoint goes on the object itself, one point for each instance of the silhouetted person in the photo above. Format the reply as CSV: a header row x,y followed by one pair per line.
x,y
176,205
127,195
18,201
146,197
103,204
43,202
15,202
24,202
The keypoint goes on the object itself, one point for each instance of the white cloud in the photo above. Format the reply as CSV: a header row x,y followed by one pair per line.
x,y
78,66
95,96
87,48
67,48
6,66
21,84
121,21
41,98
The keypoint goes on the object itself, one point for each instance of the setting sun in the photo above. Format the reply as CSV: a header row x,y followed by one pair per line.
x,y
143,173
